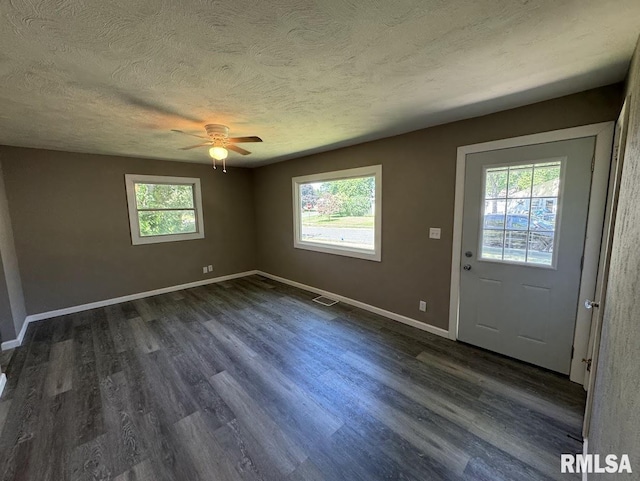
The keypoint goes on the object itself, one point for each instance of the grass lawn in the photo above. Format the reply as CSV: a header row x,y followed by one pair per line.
x,y
323,220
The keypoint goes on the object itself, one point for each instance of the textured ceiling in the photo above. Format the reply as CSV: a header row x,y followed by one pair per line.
x,y
113,77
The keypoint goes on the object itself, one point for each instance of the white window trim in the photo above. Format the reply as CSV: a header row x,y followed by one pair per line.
x,y
298,243
136,238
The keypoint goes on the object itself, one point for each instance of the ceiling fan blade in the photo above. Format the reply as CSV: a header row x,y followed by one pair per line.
x,y
237,140
197,145
240,150
187,133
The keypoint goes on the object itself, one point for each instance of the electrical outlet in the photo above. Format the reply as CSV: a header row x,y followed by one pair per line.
x,y
210,268
423,306
204,270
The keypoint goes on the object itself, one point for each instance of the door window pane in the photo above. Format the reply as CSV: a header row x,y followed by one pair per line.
x,y
496,184
546,181
543,213
519,182
520,212
494,219
541,247
515,246
492,244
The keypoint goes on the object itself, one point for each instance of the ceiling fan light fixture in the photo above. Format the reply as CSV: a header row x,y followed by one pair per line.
x,y
218,153
218,140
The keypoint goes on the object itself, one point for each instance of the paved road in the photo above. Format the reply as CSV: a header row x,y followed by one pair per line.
x,y
346,235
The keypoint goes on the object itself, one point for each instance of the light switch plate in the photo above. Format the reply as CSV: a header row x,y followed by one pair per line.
x,y
204,270
434,232
210,268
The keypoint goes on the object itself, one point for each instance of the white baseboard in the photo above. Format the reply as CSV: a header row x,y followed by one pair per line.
x,y
13,343
131,297
116,300
585,451
367,307
3,382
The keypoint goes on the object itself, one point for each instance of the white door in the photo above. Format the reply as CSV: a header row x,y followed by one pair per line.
x,y
524,222
617,162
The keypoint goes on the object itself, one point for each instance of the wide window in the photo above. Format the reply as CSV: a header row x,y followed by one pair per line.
x,y
339,212
164,209
520,213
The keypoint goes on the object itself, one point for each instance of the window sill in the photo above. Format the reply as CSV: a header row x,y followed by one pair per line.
x,y
158,239
340,251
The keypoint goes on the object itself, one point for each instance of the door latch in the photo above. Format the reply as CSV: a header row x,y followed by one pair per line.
x,y
588,304
588,363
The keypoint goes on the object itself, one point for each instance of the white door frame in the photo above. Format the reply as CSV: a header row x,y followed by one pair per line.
x,y
617,166
603,132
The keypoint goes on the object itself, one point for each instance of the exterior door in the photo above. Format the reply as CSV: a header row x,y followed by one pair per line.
x,y
524,222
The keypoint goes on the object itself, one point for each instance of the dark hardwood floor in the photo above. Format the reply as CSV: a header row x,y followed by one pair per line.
x,y
249,380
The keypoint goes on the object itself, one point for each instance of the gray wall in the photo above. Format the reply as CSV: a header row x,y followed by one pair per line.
x,y
71,227
12,306
7,328
418,192
615,425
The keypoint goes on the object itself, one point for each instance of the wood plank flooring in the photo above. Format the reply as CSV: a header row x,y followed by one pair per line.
x,y
250,380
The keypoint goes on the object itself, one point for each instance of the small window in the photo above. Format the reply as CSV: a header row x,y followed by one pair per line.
x,y
164,209
521,213
339,212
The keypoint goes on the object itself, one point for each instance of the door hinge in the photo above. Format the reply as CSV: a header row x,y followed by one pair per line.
x,y
593,163
582,263
573,349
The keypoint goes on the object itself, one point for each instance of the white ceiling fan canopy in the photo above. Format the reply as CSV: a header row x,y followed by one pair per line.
x,y
217,132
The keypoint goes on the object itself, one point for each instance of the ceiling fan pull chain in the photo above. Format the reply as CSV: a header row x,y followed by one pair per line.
x,y
224,166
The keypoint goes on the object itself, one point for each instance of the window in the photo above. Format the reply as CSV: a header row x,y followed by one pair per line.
x,y
520,213
164,209
339,212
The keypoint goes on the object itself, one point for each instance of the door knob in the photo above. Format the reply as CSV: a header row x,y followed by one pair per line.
x,y
589,304
467,267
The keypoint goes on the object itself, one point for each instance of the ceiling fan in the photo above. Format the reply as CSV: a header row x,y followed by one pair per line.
x,y
220,143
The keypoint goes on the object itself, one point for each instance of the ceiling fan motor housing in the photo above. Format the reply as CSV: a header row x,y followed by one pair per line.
x,y
218,133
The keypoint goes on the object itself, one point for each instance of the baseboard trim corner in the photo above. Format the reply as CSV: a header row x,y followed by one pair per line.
x,y
585,451
13,343
116,300
362,305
